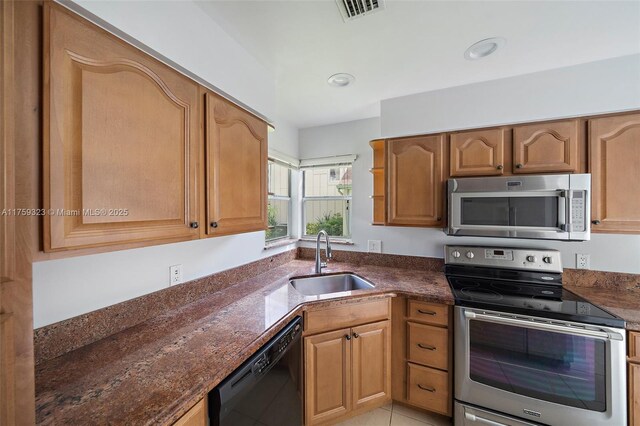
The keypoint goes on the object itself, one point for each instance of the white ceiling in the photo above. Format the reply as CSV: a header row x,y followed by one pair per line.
x,y
414,46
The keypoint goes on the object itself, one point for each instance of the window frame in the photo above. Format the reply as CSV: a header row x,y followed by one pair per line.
x,y
289,199
304,199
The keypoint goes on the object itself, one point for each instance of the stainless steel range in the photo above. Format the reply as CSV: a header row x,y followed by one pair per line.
x,y
528,351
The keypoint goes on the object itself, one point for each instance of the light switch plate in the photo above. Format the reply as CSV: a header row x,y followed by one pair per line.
x,y
175,274
374,246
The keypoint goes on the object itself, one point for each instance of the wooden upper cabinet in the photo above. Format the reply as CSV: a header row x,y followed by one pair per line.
x,y
120,140
236,168
546,147
327,376
477,153
371,354
614,147
416,180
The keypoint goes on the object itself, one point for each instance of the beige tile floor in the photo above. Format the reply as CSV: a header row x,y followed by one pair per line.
x,y
397,415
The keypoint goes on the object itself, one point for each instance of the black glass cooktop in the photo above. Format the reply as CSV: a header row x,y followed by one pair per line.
x,y
533,297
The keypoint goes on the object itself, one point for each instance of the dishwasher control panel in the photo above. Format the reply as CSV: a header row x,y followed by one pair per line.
x,y
277,348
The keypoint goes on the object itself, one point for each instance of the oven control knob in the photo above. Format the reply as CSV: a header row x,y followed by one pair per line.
x,y
469,255
455,254
531,258
547,259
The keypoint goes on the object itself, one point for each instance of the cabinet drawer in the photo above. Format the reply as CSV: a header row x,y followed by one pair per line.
x,y
634,346
346,316
429,313
428,388
428,345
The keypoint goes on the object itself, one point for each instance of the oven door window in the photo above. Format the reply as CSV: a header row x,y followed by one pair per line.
x,y
555,367
539,212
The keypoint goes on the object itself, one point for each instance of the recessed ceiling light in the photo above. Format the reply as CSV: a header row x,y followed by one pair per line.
x,y
484,48
341,80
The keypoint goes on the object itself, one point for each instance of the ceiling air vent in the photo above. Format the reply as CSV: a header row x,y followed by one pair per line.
x,y
352,9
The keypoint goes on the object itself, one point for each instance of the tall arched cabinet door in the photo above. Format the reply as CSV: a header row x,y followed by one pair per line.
x,y
120,140
614,159
416,181
236,169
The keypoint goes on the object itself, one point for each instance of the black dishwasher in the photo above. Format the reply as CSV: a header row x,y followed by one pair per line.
x,y
266,389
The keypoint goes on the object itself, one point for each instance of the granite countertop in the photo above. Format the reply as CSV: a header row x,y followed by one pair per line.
x,y
153,372
622,302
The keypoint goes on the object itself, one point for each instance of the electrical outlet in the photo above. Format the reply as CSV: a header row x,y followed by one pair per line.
x,y
583,261
175,275
374,246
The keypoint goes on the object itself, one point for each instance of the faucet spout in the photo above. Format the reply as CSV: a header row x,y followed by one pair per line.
x,y
327,251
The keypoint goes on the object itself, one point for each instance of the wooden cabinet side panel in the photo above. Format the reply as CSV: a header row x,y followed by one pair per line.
x,y
634,393
120,140
614,155
415,181
327,376
398,352
21,35
236,167
371,364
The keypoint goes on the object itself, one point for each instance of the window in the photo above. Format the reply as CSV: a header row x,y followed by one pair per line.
x,y
279,202
326,202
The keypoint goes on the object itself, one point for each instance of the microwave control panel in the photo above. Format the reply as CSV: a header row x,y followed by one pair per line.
x,y
504,257
577,211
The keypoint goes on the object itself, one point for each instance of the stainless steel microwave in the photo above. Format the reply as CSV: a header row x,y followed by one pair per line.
x,y
552,207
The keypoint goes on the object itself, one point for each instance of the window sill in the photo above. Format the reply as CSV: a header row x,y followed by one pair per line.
x,y
333,240
280,243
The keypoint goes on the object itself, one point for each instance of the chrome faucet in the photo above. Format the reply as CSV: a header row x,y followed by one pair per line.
x,y
319,264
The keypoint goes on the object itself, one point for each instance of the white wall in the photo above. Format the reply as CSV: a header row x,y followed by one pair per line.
x,y
182,32
463,107
604,86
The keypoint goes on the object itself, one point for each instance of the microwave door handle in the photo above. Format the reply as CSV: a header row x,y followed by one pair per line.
x,y
564,215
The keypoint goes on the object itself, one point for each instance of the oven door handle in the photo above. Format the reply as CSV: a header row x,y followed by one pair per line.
x,y
598,334
478,419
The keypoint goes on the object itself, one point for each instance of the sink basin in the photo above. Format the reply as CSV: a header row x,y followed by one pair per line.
x,y
325,284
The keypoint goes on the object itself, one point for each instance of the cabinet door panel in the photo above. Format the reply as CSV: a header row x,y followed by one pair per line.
x,y
614,144
327,376
546,147
477,153
416,181
371,364
634,394
236,169
120,150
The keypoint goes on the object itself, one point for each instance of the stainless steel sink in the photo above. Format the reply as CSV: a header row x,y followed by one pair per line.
x,y
325,284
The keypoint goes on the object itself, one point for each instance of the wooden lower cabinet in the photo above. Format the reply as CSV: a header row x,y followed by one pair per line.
x,y
196,416
428,388
346,371
422,373
371,359
634,394
327,376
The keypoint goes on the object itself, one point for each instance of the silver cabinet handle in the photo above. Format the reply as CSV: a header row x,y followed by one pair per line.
x,y
426,388
474,418
427,347
565,329
426,312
